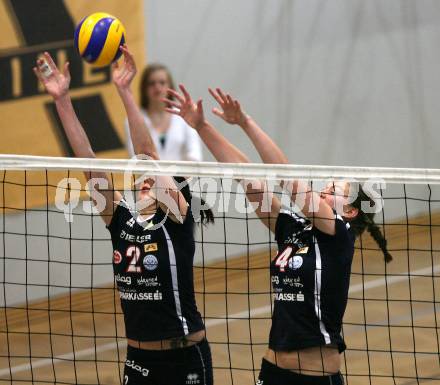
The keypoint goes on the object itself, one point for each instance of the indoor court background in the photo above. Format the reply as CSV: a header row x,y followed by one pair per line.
x,y
352,82
79,337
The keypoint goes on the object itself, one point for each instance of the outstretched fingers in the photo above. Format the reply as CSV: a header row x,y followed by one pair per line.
x,y
215,96
179,97
200,106
125,50
221,94
128,56
172,103
217,112
185,93
66,71
43,70
172,111
38,74
50,62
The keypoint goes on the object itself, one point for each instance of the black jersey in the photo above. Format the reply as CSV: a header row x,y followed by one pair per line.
x,y
154,274
310,278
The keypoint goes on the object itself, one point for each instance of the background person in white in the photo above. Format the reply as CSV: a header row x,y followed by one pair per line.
x,y
173,138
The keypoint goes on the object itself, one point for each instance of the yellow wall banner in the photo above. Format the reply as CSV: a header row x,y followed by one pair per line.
x,y
29,124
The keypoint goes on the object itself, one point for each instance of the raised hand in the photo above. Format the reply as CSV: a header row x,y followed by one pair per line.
x,y
124,74
55,82
231,111
186,108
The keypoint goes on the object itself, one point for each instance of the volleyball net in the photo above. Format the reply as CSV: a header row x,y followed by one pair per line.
x,y
60,316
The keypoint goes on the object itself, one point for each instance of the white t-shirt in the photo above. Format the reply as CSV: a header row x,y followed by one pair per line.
x,y
180,142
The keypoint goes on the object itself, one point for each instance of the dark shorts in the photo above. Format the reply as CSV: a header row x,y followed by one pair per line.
x,y
184,366
271,374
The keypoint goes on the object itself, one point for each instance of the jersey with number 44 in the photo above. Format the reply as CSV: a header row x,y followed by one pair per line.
x,y
310,278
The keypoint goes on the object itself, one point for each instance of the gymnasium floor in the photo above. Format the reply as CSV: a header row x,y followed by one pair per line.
x,y
237,360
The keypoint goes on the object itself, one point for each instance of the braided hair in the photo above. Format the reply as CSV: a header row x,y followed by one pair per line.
x,y
206,215
365,221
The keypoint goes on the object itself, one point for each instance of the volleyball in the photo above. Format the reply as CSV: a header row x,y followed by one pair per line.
x,y
98,37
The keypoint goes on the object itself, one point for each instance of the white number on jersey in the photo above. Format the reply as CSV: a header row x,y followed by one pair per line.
x,y
134,253
283,258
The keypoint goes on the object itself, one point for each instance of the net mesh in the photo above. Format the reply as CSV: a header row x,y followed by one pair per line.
x,y
60,316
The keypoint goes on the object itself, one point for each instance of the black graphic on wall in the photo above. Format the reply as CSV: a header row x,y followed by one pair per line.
x,y
46,25
93,116
42,21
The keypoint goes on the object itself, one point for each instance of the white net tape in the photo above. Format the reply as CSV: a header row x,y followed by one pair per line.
x,y
217,170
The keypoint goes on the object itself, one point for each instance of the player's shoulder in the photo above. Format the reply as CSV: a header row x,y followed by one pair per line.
x,y
287,214
342,238
177,225
341,220
121,213
287,223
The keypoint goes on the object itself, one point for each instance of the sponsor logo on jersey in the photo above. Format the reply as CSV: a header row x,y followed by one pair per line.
x,y
138,368
148,282
296,237
295,262
288,297
259,382
303,250
148,225
135,238
117,257
123,278
275,279
150,247
131,222
292,282
291,240
192,379
150,262
133,296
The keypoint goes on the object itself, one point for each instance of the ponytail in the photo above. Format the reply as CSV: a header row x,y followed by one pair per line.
x,y
377,235
365,221
206,215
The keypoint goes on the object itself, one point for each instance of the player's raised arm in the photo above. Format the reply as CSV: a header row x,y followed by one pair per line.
x,y
57,84
122,76
223,150
232,113
193,114
143,144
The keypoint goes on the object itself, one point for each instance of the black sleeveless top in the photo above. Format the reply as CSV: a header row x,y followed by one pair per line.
x,y
154,274
310,279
